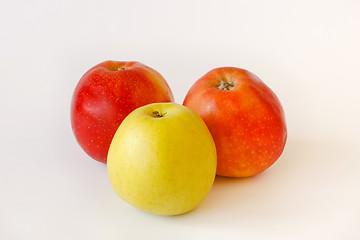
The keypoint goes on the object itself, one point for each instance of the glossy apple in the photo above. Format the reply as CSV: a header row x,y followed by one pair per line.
x,y
162,159
105,95
244,117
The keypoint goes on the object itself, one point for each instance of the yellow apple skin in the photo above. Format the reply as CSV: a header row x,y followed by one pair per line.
x,y
162,159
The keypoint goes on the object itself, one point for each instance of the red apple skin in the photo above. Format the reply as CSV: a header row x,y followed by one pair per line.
x,y
246,120
105,95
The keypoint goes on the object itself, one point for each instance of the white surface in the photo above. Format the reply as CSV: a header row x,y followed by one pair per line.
x,y
306,51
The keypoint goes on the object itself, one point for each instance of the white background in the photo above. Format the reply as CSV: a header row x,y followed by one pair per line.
x,y
306,51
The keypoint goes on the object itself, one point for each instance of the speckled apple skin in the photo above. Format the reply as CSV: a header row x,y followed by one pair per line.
x,y
247,122
105,95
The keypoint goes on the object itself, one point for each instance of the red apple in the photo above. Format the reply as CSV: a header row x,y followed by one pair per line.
x,y
105,95
244,117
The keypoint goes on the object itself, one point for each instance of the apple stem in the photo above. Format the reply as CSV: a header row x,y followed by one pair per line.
x,y
224,85
121,68
158,115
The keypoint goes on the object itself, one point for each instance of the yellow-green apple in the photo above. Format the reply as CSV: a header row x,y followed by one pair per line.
x,y
105,95
162,159
244,117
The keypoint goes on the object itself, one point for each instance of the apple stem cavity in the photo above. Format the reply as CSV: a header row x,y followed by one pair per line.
x,y
156,114
225,85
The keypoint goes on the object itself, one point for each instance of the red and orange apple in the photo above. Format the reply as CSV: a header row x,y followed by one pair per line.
x,y
105,95
244,117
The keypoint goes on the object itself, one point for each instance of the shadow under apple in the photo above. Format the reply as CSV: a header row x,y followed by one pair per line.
x,y
292,185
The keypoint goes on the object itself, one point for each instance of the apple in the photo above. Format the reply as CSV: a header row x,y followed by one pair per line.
x,y
162,159
244,117
105,95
